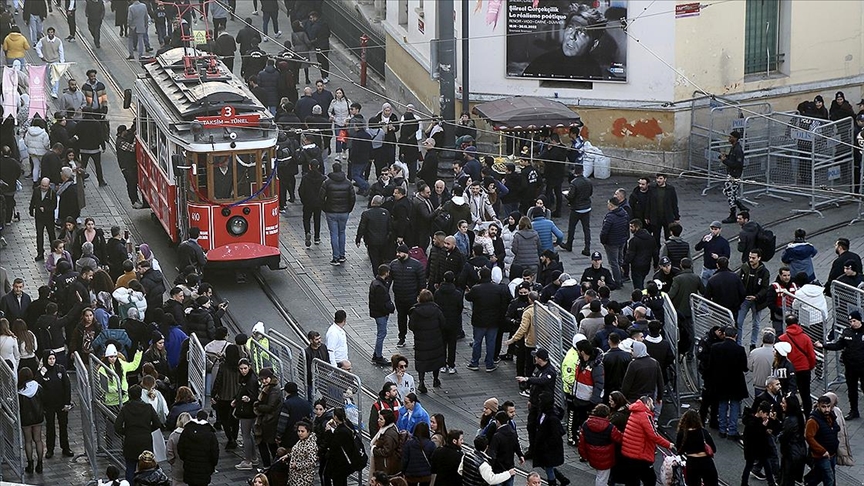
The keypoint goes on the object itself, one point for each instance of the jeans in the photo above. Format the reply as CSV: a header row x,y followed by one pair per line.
x,y
638,277
136,42
336,223
612,254
381,325
749,305
822,470
706,274
357,176
131,465
585,219
484,334
729,411
274,17
35,28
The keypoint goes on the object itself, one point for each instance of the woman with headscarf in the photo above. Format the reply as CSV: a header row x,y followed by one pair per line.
x,y
145,254
844,450
57,402
384,127
104,310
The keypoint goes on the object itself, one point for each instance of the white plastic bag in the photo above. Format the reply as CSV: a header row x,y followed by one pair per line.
x,y
160,451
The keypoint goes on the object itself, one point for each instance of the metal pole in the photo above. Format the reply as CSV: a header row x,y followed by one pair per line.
x,y
466,108
364,41
446,64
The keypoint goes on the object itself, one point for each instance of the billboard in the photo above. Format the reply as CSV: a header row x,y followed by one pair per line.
x,y
567,40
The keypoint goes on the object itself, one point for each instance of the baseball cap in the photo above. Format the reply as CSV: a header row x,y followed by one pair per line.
x,y
596,256
716,224
541,353
665,261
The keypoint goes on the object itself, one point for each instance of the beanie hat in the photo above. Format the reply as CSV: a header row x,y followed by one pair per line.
x,y
110,350
855,315
783,348
491,404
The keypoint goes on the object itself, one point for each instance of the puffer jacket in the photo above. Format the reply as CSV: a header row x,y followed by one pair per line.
x,y
416,455
409,278
151,477
525,248
799,257
616,227
200,322
199,450
640,437
337,194
802,356
268,80
545,229
37,140
426,322
597,442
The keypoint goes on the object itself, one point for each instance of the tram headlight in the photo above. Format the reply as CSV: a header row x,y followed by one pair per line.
x,y
237,226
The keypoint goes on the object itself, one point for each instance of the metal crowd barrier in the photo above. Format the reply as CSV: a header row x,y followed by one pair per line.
x,y
339,388
11,440
262,358
845,299
295,355
707,314
816,325
198,370
107,398
671,334
547,329
88,426
569,326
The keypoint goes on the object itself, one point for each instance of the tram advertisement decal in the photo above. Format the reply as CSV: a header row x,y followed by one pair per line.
x,y
567,40
229,117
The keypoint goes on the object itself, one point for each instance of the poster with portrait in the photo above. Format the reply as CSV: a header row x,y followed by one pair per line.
x,y
567,40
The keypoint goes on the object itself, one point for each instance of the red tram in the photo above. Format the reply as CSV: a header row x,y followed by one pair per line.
x,y
205,147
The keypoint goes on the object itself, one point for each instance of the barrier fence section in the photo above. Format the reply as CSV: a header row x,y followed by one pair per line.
x,y
294,356
262,358
198,370
671,334
707,314
339,388
107,398
845,299
11,442
547,329
88,426
569,326
817,326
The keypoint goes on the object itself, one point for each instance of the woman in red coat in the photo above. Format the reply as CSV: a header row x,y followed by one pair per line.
x,y
640,438
597,443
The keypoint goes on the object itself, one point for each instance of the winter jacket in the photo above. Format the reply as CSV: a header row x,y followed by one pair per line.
x,y
31,404
445,464
596,276
799,257
718,245
756,283
683,285
616,228
747,239
293,410
756,438
374,227
408,419
310,189
90,135
727,364
409,278
490,302
597,442
668,211
643,377
191,408
676,249
154,286
451,301
579,195
416,455
380,304
136,422
56,389
503,445
802,356
851,343
200,322
588,387
199,450
267,409
545,229
248,388
337,194
151,477
640,437
387,451
526,248
268,81
641,251
726,289
837,268
426,321
15,45
37,140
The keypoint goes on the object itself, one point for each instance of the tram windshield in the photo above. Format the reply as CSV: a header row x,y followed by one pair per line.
x,y
235,175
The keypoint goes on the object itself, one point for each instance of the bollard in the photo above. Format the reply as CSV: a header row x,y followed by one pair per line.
x,y
364,41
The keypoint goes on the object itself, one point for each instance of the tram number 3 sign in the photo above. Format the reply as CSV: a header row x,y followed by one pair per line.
x,y
228,117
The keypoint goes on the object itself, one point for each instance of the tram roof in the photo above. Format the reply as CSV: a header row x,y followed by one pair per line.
x,y
193,96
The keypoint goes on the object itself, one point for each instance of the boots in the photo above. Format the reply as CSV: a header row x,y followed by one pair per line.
x,y
562,480
29,468
732,216
741,206
39,466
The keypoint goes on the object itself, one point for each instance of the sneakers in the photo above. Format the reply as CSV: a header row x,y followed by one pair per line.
x,y
244,466
341,259
39,258
849,416
308,240
401,343
525,393
254,12
493,368
443,369
451,370
279,34
497,360
326,80
473,367
758,475
380,361
586,252
137,205
334,262
505,357
317,241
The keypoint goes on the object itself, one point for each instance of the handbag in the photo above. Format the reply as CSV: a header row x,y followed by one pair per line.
x,y
708,450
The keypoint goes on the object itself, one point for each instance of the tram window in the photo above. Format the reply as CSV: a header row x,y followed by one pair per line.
x,y
144,119
246,173
151,128
163,153
223,177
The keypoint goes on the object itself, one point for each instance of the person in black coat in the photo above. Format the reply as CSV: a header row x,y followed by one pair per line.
x,y
113,251
200,321
427,322
380,308
310,197
57,401
153,283
504,444
641,251
199,450
428,172
42,205
341,452
725,287
446,459
490,304
662,208
550,433
727,365
294,409
450,300
67,206
136,422
375,230
408,277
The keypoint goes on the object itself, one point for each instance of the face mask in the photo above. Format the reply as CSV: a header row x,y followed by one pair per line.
x,y
523,298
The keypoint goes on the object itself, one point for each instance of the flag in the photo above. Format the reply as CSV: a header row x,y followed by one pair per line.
x,y
38,102
58,69
10,93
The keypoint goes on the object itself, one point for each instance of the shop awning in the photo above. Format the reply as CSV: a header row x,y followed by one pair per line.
x,y
527,113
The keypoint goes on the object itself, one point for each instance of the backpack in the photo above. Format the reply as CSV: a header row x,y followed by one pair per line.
x,y
361,458
441,221
767,242
418,254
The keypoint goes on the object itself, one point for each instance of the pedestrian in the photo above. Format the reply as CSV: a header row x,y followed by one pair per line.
x,y
844,256
310,197
267,408
598,440
386,446
416,455
799,255
851,345
199,450
15,46
172,452
94,11
408,277
31,403
412,414
91,140
643,377
640,440
337,340
588,384
489,303
793,449
427,322
341,453
477,466
136,422
57,401
727,364
450,299
400,376
50,51
447,458
725,288
34,14
579,200
337,200
543,379
148,472
696,443
641,250
136,28
734,162
662,208
380,308
844,449
242,403
756,440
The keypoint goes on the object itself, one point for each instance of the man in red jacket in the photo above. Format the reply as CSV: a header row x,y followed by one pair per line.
x,y
802,356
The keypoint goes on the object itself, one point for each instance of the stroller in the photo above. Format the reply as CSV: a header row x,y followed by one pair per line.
x,y
672,471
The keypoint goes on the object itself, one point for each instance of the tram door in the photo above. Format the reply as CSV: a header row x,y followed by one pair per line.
x,y
181,180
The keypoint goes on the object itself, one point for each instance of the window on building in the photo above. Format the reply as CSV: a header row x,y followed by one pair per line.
x,y
403,12
762,37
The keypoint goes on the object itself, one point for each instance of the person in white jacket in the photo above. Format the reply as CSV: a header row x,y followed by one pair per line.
x,y
809,303
38,144
155,398
130,297
340,115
